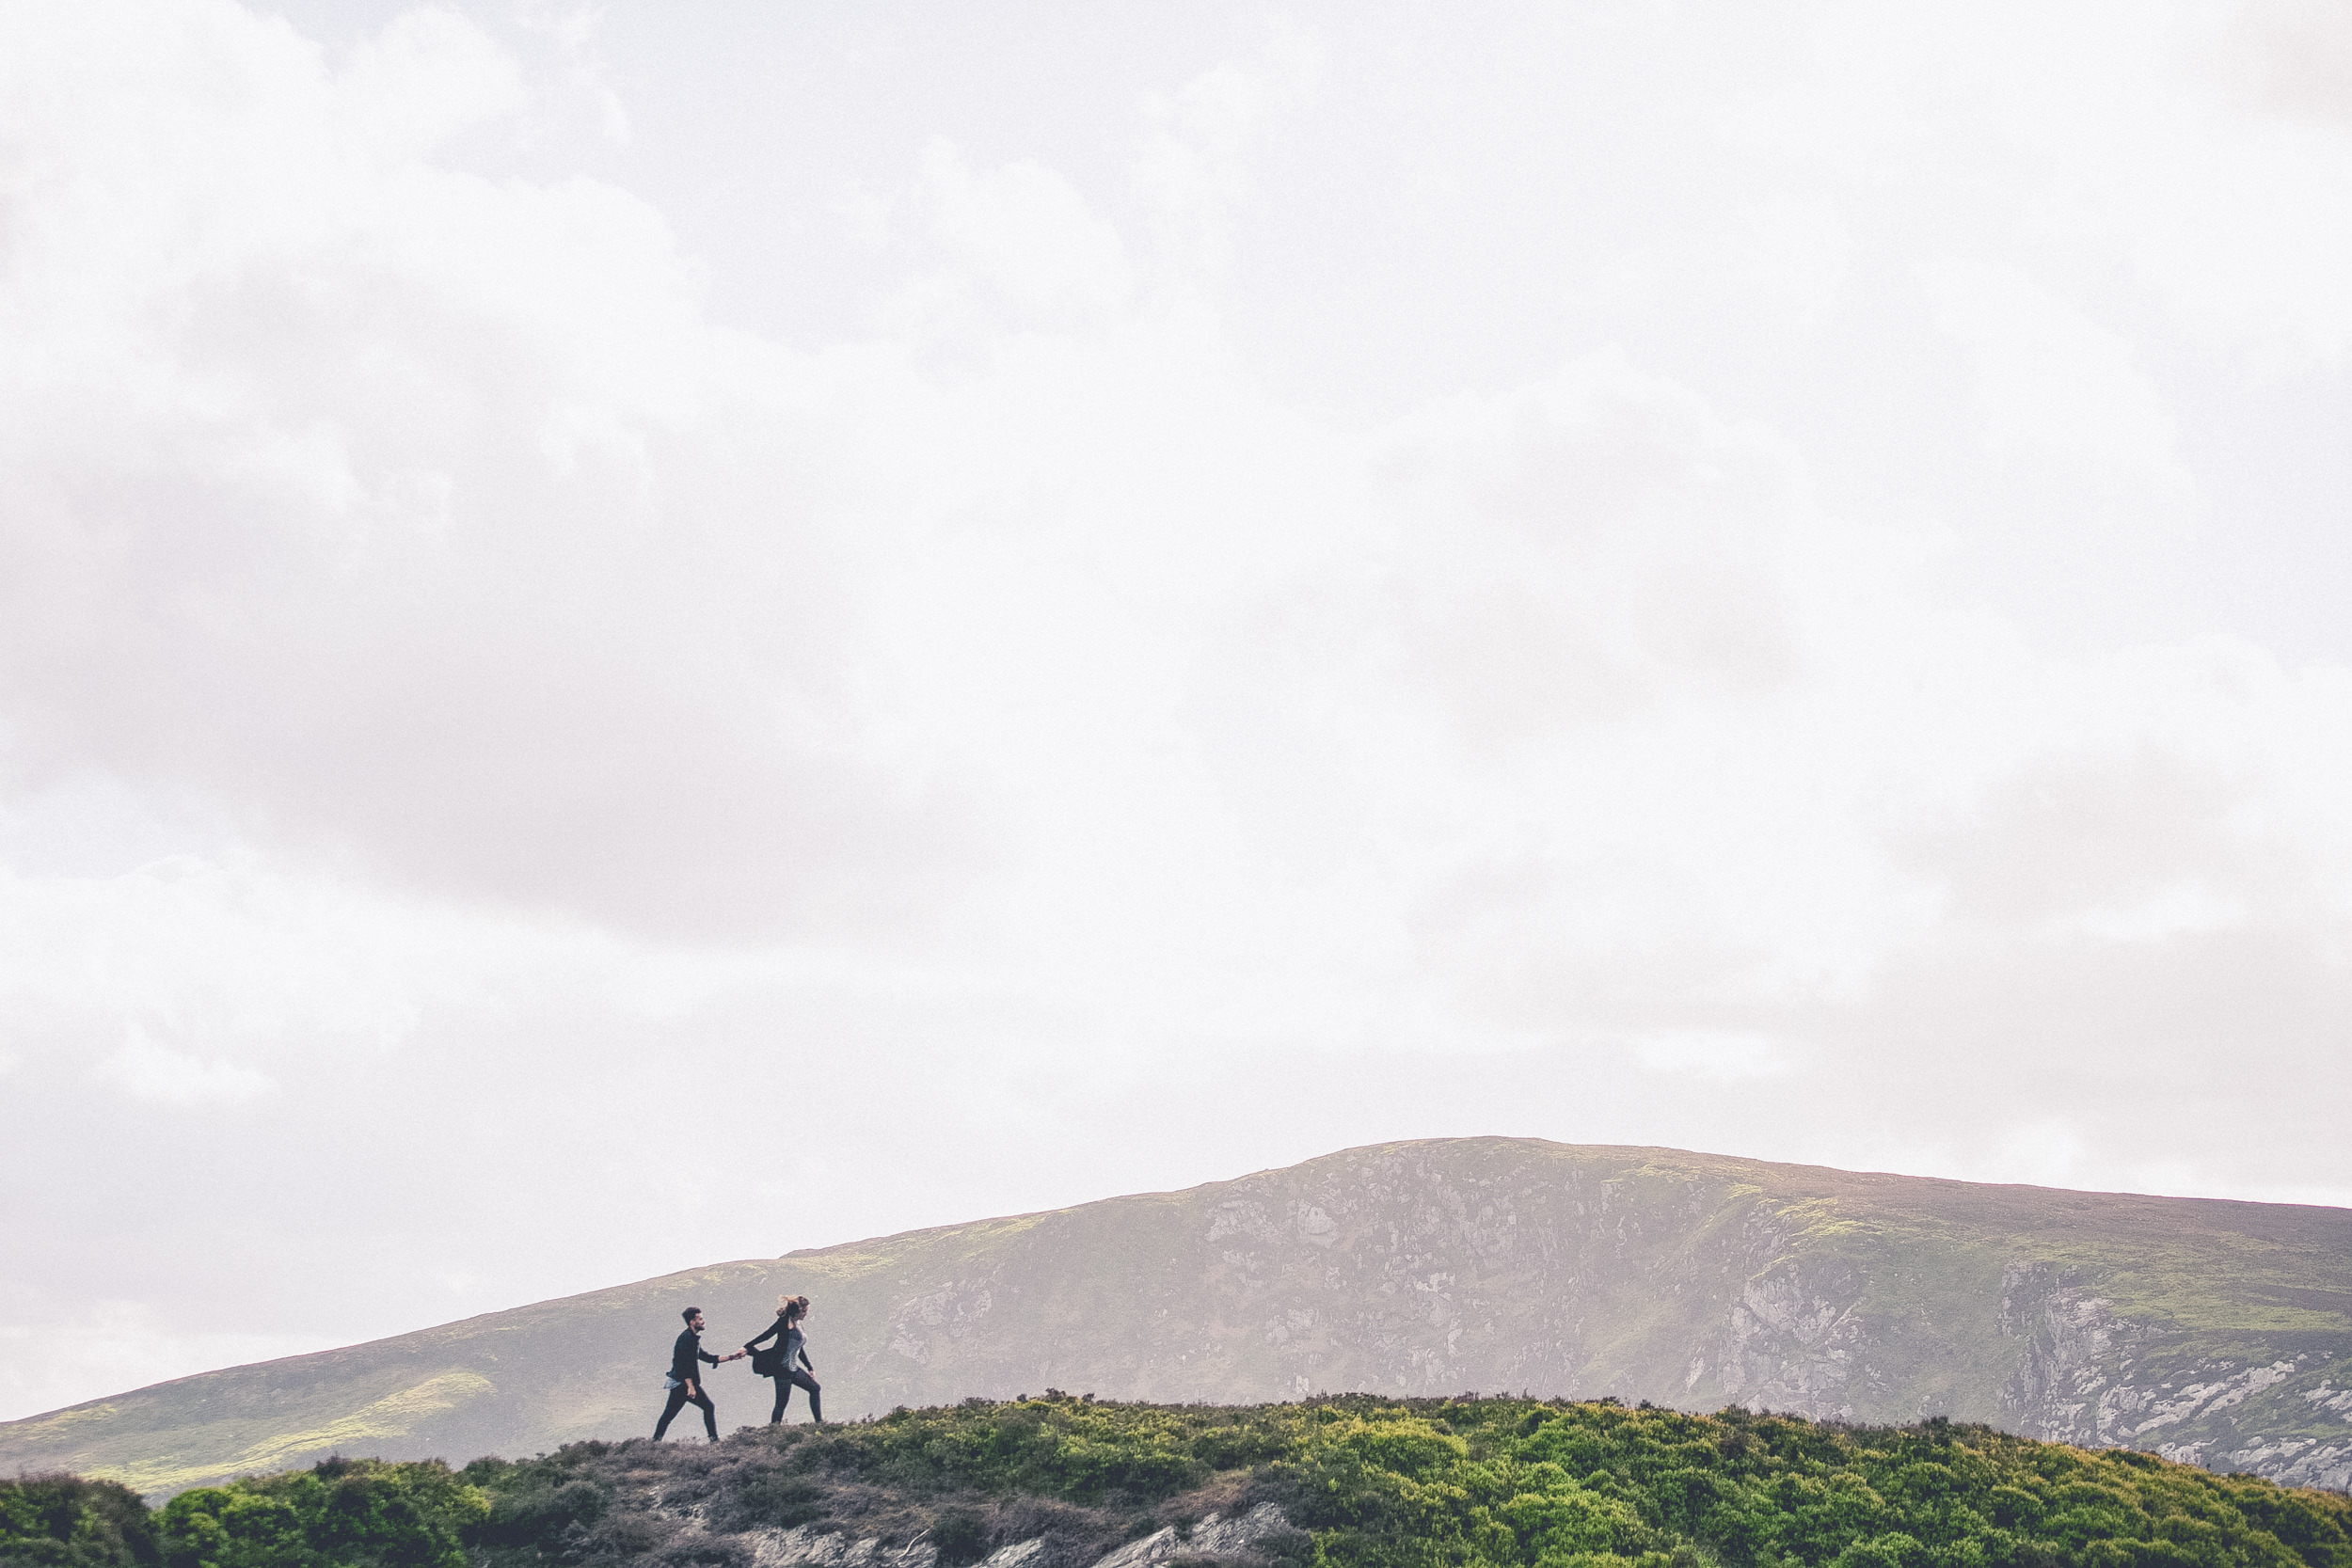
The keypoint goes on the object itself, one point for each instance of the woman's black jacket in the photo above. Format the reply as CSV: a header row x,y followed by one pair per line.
x,y
788,1337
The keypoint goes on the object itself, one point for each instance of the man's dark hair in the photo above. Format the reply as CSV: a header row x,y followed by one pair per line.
x,y
689,1315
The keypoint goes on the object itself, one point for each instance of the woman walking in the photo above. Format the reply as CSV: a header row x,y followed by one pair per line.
x,y
791,1345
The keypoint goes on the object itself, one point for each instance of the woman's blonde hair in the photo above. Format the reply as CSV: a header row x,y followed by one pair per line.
x,y
791,1307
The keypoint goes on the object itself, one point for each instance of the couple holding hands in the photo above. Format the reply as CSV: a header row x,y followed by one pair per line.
x,y
792,1346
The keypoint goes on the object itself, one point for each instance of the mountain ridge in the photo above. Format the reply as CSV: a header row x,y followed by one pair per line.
x,y
2213,1330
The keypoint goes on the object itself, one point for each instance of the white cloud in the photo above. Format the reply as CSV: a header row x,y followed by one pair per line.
x,y
2296,56
1589,547
1027,230
1195,166
429,74
146,1070
1278,589
2044,1153
2056,389
296,445
1726,1058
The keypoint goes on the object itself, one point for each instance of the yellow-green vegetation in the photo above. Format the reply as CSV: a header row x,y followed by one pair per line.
x,y
1472,1482
394,1415
1454,1483
342,1514
1364,1482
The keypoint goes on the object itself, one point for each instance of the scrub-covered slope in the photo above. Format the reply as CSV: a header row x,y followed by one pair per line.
x,y
2220,1332
1356,1482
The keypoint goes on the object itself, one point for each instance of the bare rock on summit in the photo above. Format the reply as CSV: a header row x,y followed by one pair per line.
x,y
828,1546
811,1546
1212,1537
1021,1554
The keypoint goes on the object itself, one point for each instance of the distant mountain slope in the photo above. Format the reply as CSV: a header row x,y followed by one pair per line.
x,y
2211,1331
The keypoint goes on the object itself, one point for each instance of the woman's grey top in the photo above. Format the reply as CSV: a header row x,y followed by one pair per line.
x,y
795,1343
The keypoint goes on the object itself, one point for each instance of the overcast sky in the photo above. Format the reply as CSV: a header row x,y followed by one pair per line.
x,y
647,634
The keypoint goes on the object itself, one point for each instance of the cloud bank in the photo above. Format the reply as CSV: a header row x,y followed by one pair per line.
x,y
621,647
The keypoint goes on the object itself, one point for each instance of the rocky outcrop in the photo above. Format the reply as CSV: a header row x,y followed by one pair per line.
x,y
808,1546
2072,1377
1214,1539
2091,1376
1793,1340
950,1312
2297,1462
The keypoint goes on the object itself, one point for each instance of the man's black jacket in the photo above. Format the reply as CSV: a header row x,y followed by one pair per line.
x,y
683,1355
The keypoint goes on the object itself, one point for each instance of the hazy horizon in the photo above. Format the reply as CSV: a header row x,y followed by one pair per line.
x,y
632,635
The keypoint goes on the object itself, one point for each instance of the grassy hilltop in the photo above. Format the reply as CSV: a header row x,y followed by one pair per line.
x,y
2216,1332
1354,1482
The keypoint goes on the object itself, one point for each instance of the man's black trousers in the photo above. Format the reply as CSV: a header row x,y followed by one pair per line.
x,y
679,1402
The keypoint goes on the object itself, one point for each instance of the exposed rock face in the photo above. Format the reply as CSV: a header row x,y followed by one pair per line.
x,y
808,1546
1021,1554
1793,1340
2220,1332
2093,1377
1212,1538
826,1546
2297,1462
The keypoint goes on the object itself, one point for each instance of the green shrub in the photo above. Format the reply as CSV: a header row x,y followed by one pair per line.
x,y
57,1521
341,1514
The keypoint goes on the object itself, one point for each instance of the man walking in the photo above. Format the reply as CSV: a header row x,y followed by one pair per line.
x,y
684,1383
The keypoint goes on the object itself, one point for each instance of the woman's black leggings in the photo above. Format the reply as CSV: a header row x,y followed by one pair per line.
x,y
784,1393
